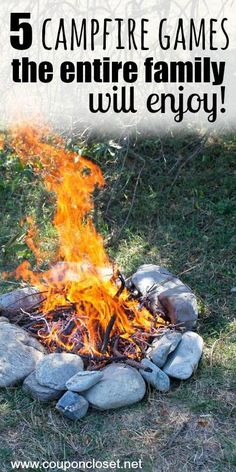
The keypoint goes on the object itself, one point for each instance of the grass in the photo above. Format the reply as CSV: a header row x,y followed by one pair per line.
x,y
180,213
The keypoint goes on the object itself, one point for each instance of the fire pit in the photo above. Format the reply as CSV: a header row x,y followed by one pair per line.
x,y
85,334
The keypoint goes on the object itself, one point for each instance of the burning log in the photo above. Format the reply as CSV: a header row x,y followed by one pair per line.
x,y
69,328
107,334
77,348
122,287
31,326
127,361
115,358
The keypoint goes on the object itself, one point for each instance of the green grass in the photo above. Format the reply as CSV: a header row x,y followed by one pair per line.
x,y
181,215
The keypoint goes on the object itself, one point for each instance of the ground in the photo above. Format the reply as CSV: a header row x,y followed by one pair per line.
x,y
169,201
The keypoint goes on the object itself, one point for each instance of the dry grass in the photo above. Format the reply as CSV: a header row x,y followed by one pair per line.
x,y
162,431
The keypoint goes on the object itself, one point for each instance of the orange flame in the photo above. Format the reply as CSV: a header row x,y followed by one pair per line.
x,y
79,281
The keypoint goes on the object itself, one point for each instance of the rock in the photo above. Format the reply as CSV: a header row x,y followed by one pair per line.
x,y
3,319
170,293
233,290
163,346
184,360
72,405
21,335
157,378
181,306
83,380
148,274
121,386
19,354
40,392
22,298
57,368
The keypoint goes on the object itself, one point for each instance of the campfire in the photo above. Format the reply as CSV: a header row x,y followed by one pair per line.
x,y
83,310
83,306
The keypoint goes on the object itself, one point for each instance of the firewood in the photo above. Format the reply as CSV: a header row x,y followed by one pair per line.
x,y
107,334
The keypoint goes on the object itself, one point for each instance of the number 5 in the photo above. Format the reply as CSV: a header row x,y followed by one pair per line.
x,y
18,41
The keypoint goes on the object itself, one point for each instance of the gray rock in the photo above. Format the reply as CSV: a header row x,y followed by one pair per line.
x,y
19,354
157,378
3,319
184,360
72,405
21,335
40,392
170,293
181,306
121,386
163,346
56,369
16,300
83,380
149,274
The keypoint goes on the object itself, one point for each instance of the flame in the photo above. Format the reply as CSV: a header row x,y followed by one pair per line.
x,y
80,284
2,141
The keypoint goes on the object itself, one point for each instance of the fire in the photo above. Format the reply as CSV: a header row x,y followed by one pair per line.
x,y
80,301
